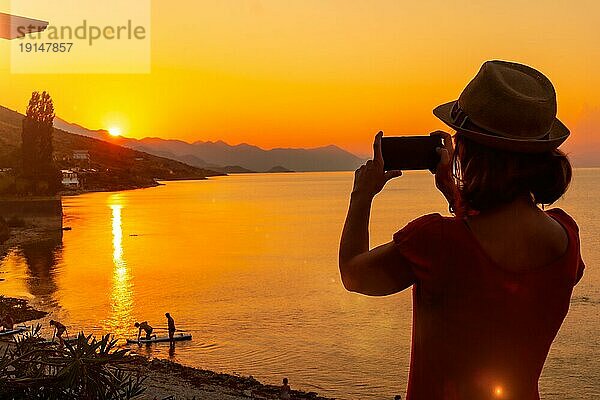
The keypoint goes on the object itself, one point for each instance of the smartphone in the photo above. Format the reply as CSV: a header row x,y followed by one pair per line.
x,y
410,152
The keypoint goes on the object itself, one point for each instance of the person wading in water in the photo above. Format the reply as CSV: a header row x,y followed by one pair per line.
x,y
7,323
59,330
285,390
171,327
492,283
146,328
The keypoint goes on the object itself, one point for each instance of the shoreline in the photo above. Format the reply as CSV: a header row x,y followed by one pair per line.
x,y
156,183
168,379
29,235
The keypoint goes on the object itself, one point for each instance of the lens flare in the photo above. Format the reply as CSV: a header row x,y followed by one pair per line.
x,y
498,391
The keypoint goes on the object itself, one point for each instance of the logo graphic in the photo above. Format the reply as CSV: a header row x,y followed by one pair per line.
x,y
10,24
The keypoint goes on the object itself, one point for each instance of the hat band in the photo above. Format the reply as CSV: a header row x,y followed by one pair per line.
x,y
458,115
462,120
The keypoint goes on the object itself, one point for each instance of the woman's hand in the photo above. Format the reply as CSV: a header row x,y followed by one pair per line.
x,y
370,178
371,272
444,178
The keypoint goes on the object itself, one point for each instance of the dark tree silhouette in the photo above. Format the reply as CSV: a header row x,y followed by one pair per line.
x,y
38,166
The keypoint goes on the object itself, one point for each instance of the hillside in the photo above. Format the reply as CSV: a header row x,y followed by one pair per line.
x,y
217,155
118,167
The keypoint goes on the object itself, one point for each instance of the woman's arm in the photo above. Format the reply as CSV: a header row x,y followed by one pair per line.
x,y
372,272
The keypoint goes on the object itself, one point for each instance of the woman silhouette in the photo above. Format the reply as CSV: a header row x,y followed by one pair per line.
x,y
491,284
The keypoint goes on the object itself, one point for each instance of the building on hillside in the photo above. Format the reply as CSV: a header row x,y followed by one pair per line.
x,y
81,155
70,179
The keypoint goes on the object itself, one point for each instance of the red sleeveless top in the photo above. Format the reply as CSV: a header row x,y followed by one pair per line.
x,y
480,332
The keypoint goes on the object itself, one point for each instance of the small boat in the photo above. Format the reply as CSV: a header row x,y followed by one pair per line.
x,y
15,330
177,338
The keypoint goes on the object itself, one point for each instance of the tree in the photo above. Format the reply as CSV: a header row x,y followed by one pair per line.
x,y
38,126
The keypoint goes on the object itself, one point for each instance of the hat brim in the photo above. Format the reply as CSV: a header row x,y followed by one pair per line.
x,y
557,135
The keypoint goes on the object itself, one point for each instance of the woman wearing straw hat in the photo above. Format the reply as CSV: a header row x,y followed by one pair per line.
x,y
492,284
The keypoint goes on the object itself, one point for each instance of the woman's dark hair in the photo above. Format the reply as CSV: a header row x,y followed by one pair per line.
x,y
488,177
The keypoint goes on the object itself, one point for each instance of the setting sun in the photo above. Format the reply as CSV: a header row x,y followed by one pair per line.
x,y
114,131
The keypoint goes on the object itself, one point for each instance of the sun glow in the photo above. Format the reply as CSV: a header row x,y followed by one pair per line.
x,y
498,392
114,131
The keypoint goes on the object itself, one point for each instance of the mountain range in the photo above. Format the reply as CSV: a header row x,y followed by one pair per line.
x,y
220,156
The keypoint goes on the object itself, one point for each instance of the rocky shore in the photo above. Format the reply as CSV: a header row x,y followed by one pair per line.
x,y
28,235
19,310
166,378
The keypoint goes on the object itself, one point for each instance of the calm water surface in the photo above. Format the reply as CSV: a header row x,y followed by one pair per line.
x,y
248,265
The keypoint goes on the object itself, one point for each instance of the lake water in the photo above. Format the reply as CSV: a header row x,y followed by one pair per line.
x,y
248,265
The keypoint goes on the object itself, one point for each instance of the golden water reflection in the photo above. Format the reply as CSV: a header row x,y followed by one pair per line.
x,y
120,320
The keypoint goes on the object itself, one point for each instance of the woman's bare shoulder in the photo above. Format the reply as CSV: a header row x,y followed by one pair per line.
x,y
523,240
564,217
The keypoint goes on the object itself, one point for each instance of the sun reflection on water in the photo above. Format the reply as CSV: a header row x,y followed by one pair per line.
x,y
120,320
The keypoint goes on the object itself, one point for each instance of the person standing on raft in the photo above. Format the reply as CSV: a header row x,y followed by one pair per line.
x,y
171,323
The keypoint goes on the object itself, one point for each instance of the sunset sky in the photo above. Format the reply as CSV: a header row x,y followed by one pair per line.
x,y
280,73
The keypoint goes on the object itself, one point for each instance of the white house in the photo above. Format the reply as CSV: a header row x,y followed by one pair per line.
x,y
70,178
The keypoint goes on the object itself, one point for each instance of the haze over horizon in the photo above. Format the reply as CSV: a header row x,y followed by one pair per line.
x,y
580,156
313,73
61,123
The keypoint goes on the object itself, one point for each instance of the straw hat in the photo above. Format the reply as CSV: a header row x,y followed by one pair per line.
x,y
508,106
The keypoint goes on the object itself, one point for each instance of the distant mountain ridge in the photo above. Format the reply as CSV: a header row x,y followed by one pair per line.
x,y
195,153
221,156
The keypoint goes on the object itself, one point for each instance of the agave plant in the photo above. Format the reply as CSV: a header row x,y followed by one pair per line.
x,y
86,368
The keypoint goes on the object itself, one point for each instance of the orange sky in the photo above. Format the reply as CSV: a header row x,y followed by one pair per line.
x,y
314,72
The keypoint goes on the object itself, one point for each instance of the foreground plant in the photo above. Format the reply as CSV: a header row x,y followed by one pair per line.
x,y
86,368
